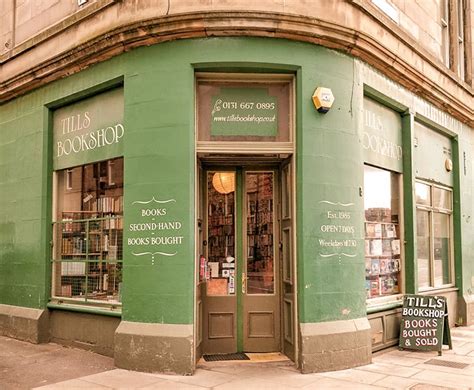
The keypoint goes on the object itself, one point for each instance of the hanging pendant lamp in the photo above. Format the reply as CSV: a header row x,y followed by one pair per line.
x,y
224,182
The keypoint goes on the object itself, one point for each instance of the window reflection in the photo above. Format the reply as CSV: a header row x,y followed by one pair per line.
x,y
382,232
260,256
434,208
219,269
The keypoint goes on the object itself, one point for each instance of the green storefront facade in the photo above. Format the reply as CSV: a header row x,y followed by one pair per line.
x,y
327,317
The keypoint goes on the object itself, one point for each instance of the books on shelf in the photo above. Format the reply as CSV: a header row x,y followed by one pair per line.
x,y
108,204
73,268
396,247
376,248
382,252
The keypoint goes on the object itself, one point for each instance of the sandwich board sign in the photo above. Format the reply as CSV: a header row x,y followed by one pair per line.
x,y
425,325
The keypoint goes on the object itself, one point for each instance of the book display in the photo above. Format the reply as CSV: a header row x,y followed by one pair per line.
x,y
89,232
260,233
219,270
382,252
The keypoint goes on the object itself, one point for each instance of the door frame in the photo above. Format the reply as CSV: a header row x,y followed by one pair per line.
x,y
228,153
274,165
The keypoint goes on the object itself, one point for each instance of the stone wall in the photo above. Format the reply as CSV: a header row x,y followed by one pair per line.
x,y
401,38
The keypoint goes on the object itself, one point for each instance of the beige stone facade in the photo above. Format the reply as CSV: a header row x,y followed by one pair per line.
x,y
44,40
416,54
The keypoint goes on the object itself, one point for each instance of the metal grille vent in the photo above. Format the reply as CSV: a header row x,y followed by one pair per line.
x,y
227,356
446,363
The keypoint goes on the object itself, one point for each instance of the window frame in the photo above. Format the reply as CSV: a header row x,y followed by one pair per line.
x,y
382,299
105,221
461,71
445,34
439,210
242,146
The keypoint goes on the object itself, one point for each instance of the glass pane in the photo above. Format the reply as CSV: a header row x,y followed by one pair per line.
x,y
442,198
89,232
287,269
286,192
423,248
260,256
243,111
441,249
382,232
219,269
423,194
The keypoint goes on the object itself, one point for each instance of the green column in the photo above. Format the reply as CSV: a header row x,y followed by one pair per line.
x,y
411,272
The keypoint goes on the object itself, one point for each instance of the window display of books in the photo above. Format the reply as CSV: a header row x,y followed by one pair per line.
x,y
382,253
88,232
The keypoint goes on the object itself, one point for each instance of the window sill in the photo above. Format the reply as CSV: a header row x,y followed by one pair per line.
x,y
375,305
111,311
438,290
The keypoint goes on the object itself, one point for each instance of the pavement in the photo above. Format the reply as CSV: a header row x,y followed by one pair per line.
x,y
51,366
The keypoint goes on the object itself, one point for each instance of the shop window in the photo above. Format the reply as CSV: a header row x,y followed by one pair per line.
x,y
382,232
87,255
433,223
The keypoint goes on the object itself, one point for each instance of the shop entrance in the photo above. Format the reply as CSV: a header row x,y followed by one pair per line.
x,y
240,303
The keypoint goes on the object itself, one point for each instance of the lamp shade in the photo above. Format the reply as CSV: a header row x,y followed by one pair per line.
x,y
224,182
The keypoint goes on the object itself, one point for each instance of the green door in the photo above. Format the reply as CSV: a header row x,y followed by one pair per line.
x,y
240,273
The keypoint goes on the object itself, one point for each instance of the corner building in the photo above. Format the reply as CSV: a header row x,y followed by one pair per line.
x,y
169,190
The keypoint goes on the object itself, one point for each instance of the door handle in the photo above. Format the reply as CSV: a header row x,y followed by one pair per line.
x,y
244,283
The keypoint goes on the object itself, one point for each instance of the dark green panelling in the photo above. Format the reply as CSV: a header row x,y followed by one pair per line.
x,y
409,205
240,260
458,274
430,153
466,212
90,120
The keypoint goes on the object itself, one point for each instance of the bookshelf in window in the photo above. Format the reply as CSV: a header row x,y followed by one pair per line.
x,y
382,257
87,260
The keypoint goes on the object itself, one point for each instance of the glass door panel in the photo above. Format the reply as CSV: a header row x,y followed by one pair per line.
x,y
260,253
221,265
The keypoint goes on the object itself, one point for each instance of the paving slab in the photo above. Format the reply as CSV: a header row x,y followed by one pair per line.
x,y
168,385
74,384
122,379
285,377
327,383
204,378
465,349
254,384
390,369
25,366
50,366
444,379
353,375
396,382
399,360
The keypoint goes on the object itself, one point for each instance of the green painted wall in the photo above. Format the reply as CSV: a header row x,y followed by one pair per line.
x,y
22,263
25,186
331,279
464,162
159,165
